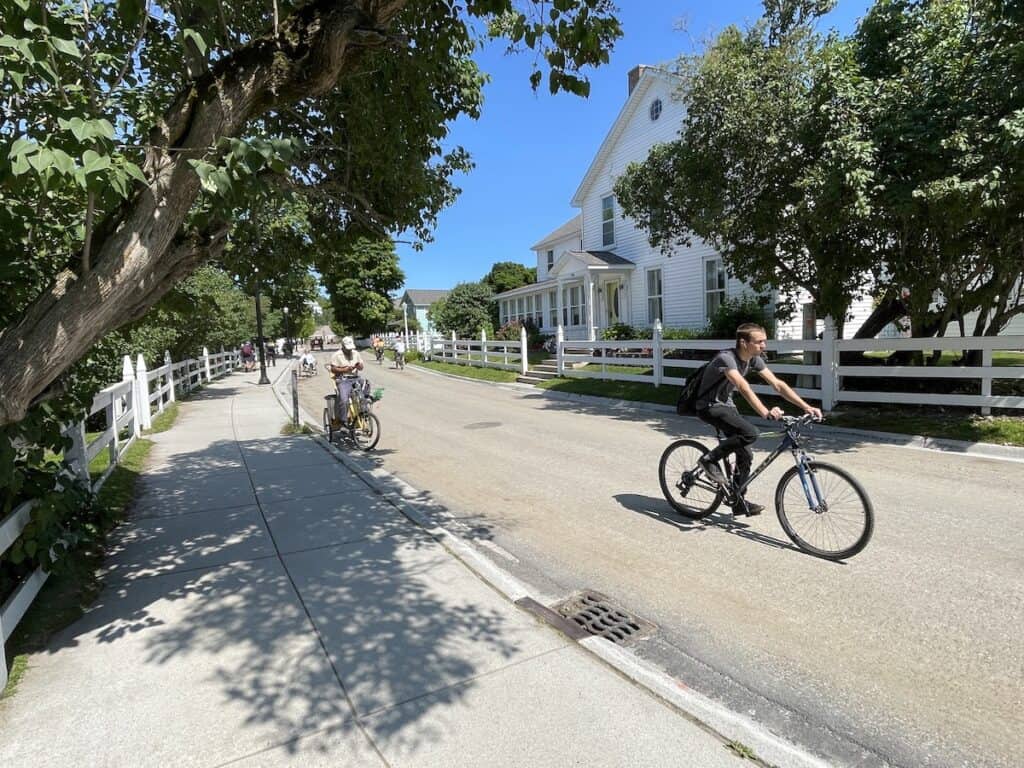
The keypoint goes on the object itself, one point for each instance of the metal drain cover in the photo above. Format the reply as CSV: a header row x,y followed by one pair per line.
x,y
596,614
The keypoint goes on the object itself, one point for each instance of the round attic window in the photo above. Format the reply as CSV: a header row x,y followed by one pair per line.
x,y
655,110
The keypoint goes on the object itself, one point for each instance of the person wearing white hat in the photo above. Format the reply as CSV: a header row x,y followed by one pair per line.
x,y
345,365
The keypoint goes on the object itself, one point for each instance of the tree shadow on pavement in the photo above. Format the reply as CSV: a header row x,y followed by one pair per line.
x,y
247,617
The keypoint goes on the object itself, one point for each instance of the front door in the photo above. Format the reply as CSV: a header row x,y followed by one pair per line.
x,y
613,299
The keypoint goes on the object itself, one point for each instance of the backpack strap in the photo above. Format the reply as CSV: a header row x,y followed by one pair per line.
x,y
715,383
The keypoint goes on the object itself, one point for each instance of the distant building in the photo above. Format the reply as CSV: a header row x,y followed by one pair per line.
x,y
418,302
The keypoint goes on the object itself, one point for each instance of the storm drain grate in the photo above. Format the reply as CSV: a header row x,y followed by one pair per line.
x,y
596,614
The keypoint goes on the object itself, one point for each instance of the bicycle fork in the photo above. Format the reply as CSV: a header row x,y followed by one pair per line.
x,y
809,480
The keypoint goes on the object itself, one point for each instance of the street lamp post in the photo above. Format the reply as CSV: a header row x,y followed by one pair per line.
x,y
259,331
287,334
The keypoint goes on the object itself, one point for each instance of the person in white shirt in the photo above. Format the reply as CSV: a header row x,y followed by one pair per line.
x,y
345,365
399,352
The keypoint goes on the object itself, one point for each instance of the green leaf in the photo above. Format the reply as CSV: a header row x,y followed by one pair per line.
x,y
134,171
6,41
41,160
93,162
63,161
67,47
19,165
102,127
78,128
21,147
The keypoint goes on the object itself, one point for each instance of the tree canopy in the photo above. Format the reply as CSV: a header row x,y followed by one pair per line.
x,y
359,280
506,275
135,131
889,162
466,310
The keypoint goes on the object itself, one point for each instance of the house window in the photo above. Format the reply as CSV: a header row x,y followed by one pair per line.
x,y
654,308
551,260
553,308
655,110
519,308
608,220
573,305
714,286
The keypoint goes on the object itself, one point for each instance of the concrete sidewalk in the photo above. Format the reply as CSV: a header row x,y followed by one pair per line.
x,y
267,607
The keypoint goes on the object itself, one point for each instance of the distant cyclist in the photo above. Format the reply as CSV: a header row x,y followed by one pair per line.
x,y
721,378
378,349
399,352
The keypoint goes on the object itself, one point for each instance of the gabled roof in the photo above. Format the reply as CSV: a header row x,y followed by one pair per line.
x,y
424,297
596,261
573,226
648,76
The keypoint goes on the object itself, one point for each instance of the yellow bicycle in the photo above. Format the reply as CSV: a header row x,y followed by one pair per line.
x,y
361,423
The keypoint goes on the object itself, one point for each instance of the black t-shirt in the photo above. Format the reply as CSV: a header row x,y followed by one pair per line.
x,y
720,393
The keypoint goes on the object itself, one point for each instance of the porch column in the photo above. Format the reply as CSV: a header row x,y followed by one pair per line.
x,y
560,301
591,329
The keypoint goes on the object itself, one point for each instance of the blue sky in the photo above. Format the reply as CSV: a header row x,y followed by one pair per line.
x,y
532,150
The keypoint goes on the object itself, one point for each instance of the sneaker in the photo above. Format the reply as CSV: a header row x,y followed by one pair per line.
x,y
712,470
748,508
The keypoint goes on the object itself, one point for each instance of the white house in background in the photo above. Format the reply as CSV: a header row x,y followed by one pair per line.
x,y
599,269
417,302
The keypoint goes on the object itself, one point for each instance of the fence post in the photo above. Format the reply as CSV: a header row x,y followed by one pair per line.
x,y
170,376
524,362
483,345
142,387
455,349
111,414
986,381
559,351
206,364
76,455
829,380
658,372
128,374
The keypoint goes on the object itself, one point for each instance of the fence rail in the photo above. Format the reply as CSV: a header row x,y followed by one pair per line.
x,y
483,353
127,406
815,364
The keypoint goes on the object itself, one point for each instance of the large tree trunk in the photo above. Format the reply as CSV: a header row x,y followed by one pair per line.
x,y
148,252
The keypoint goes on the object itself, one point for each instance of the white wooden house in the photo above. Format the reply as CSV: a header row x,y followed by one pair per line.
x,y
599,268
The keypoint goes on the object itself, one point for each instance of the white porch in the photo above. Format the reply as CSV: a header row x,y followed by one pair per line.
x,y
586,292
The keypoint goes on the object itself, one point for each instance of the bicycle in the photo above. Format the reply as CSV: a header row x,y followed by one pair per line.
x,y
400,360
379,353
812,500
362,424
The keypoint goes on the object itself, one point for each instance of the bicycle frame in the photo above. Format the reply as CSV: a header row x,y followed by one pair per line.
x,y
791,443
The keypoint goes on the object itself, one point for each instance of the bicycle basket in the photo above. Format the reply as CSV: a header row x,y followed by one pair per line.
x,y
377,394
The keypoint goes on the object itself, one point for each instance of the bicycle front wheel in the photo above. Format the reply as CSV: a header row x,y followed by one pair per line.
x,y
366,431
328,426
831,517
690,492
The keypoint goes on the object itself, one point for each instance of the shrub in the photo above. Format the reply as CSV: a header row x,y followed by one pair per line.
x,y
620,332
510,331
733,312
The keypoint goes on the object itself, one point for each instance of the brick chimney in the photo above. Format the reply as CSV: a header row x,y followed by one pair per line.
x,y
634,77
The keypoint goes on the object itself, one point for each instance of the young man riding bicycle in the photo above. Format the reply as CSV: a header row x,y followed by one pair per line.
x,y
723,376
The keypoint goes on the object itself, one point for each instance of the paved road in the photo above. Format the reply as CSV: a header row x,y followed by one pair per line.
x,y
910,654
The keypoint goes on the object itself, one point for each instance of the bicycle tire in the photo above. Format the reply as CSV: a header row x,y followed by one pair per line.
x,y
679,458
328,426
365,431
837,490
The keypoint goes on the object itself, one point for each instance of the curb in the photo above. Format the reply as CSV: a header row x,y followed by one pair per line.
x,y
727,725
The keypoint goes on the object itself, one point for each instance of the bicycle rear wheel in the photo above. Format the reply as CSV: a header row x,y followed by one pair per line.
x,y
328,426
365,431
690,492
838,525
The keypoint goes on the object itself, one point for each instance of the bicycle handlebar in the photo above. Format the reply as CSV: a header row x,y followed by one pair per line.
x,y
792,421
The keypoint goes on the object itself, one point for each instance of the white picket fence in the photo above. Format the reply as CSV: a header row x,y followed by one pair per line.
x,y
482,353
128,406
820,376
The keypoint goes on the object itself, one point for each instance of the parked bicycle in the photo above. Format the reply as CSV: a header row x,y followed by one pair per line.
x,y
821,507
361,424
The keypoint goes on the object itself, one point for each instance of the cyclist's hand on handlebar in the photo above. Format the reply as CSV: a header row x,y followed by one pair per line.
x,y
774,413
815,413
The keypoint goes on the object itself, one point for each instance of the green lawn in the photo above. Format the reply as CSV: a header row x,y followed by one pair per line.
x,y
469,372
930,422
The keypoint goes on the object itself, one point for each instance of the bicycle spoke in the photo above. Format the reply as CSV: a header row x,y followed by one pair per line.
x,y
840,522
